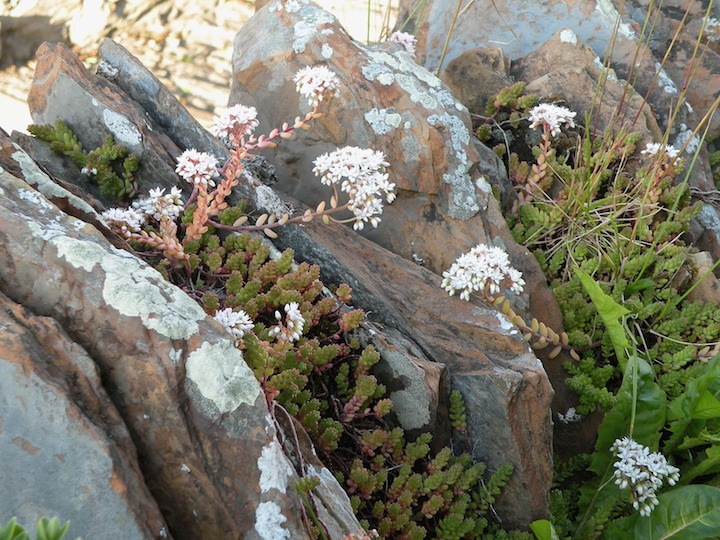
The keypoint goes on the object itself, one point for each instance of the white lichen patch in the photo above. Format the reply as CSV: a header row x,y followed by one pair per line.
x,y
326,50
135,289
568,36
175,355
611,75
415,92
47,231
222,376
123,130
483,185
35,198
506,324
37,178
305,29
383,121
665,81
686,135
274,468
269,520
270,201
606,8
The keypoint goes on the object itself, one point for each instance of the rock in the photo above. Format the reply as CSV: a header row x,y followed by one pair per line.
x,y
206,445
418,387
567,68
706,285
65,448
93,108
478,75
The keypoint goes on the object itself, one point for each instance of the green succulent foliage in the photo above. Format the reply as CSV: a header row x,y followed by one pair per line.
x,y
46,529
113,165
325,381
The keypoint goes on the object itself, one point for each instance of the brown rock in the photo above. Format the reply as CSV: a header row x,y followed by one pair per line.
x,y
564,67
65,448
476,76
206,445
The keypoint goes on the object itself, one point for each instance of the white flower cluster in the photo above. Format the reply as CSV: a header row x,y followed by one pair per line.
x,y
236,322
159,204
197,168
643,472
483,268
292,328
314,82
405,40
234,122
365,180
552,116
155,206
653,149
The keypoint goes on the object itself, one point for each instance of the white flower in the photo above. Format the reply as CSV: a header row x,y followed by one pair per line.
x,y
234,122
483,268
292,329
362,175
643,472
314,82
236,322
405,40
552,116
653,149
198,168
158,204
126,220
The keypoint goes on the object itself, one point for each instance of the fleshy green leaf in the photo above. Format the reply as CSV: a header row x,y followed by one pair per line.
x,y
707,407
611,314
13,531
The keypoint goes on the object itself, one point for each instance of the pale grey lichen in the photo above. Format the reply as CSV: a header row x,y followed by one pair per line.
x,y
383,121
274,468
417,95
268,521
568,36
307,27
326,50
135,289
505,323
221,375
665,81
35,198
37,178
123,131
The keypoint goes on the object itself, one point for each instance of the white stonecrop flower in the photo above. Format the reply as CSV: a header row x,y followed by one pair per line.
x,y
405,40
314,82
551,115
362,175
641,471
292,328
127,220
653,149
197,168
159,204
485,269
236,322
234,122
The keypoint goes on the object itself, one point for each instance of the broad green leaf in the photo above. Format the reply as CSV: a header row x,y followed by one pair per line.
x,y
688,512
706,407
611,314
707,465
650,416
543,530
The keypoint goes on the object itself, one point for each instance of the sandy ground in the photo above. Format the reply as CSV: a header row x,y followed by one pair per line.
x,y
202,92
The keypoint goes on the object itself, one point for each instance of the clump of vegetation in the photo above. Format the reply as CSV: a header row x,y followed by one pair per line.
x,y
46,529
111,166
